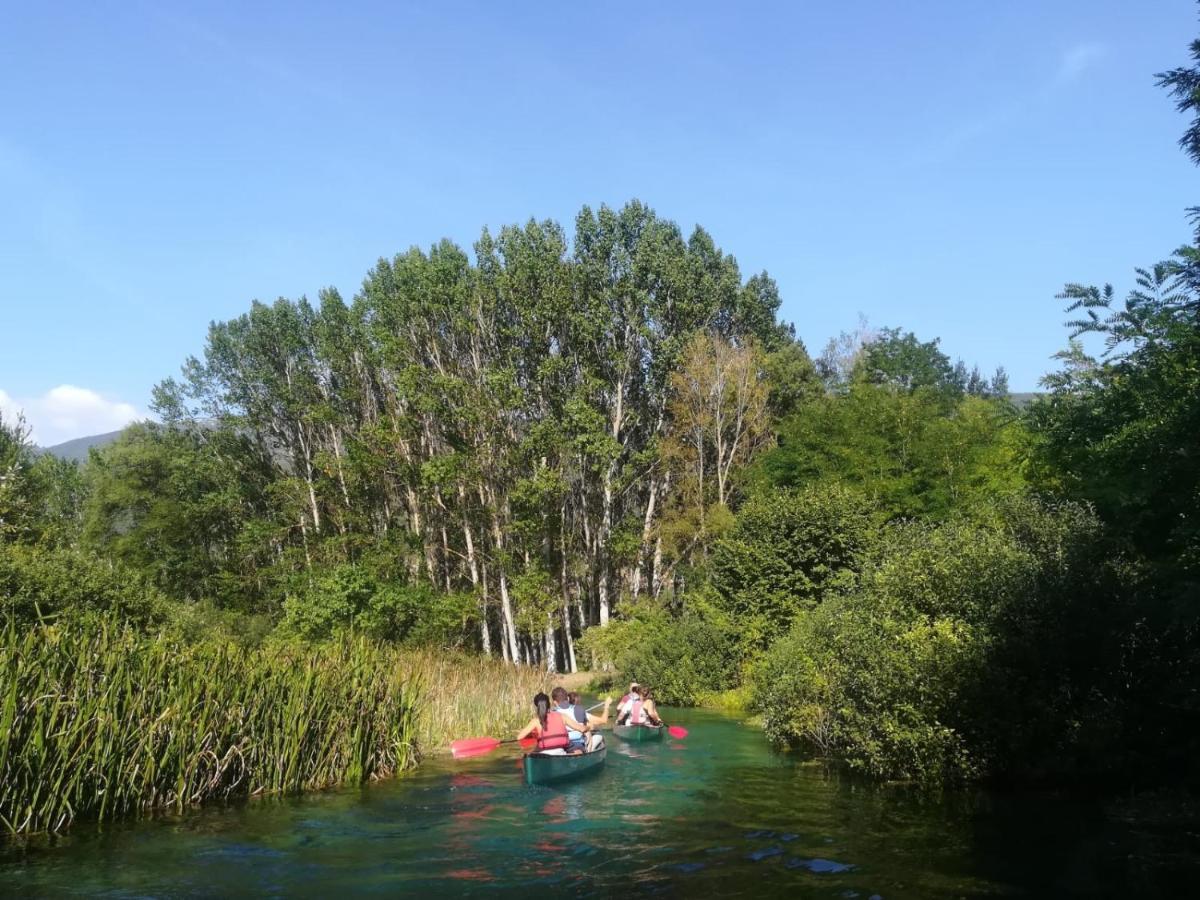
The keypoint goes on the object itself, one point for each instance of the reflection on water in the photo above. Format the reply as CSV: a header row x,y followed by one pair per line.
x,y
717,815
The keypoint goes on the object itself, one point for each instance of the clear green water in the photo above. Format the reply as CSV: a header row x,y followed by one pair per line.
x,y
716,815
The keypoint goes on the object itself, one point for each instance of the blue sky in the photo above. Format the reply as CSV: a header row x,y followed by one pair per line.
x,y
943,166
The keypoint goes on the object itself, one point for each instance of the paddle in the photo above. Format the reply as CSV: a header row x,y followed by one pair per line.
x,y
677,731
465,748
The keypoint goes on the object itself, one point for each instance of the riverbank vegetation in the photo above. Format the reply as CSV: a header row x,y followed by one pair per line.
x,y
358,527
100,719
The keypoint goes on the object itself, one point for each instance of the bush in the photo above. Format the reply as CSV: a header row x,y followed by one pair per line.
x,y
683,658
350,597
784,553
934,666
39,582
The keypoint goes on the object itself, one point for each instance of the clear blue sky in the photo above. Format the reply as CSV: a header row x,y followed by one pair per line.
x,y
944,166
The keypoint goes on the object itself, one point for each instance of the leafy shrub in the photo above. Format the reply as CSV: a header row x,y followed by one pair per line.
x,y
350,597
39,582
784,553
681,657
935,665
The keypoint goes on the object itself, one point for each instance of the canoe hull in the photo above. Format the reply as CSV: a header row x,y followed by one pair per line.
x,y
553,769
639,734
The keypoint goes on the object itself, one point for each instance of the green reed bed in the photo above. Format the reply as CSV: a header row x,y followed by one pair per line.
x,y
98,721
470,696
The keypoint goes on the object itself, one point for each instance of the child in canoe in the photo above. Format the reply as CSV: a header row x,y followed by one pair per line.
x,y
582,715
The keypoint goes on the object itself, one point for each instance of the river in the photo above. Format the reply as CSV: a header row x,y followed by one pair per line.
x,y
717,814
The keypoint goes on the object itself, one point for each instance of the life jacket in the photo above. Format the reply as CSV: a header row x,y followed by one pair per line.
x,y
554,735
637,715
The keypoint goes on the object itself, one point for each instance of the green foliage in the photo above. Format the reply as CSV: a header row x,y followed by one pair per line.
x,y
901,361
1120,433
792,378
784,553
936,664
1183,83
177,504
682,657
39,582
350,597
914,454
40,496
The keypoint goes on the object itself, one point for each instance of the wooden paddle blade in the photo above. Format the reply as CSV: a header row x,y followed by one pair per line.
x,y
467,747
676,731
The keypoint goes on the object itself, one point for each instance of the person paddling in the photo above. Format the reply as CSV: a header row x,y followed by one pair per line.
x,y
640,710
626,705
649,709
548,726
582,715
576,729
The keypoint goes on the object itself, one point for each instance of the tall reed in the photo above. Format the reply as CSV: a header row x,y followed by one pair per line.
x,y
469,696
98,721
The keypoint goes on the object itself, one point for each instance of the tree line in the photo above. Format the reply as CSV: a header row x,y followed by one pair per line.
x,y
609,450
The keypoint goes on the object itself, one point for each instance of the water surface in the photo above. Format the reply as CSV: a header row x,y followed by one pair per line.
x,y
716,815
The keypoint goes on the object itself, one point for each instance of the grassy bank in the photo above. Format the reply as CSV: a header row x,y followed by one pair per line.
x,y
99,722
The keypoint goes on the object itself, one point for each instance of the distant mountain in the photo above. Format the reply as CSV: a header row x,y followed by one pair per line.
x,y
78,448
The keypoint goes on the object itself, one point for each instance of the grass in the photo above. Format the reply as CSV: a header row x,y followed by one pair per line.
x,y
99,721
471,696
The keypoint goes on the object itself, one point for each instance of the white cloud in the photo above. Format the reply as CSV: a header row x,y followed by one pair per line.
x,y
1077,60
67,412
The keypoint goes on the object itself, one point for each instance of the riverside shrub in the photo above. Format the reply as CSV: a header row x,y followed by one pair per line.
x,y
39,581
935,666
682,657
350,596
785,552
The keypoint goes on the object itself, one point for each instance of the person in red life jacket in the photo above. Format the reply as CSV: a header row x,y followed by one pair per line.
x,y
549,726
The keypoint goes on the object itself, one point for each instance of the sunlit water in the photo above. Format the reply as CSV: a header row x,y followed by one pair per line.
x,y
715,815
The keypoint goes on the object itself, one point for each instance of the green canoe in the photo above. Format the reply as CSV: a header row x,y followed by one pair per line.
x,y
639,734
543,769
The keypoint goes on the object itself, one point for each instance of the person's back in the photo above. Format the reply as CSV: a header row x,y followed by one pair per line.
x,y
547,726
637,711
575,728
626,705
580,714
649,709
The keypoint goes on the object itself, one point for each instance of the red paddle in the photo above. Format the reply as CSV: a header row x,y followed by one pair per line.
x,y
468,747
677,731
465,748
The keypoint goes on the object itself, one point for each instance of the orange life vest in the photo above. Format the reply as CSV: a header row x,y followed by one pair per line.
x,y
554,735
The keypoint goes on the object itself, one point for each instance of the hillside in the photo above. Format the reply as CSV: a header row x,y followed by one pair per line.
x,y
78,448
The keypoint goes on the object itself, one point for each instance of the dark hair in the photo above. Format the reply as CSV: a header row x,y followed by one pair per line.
x,y
542,704
573,698
559,694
